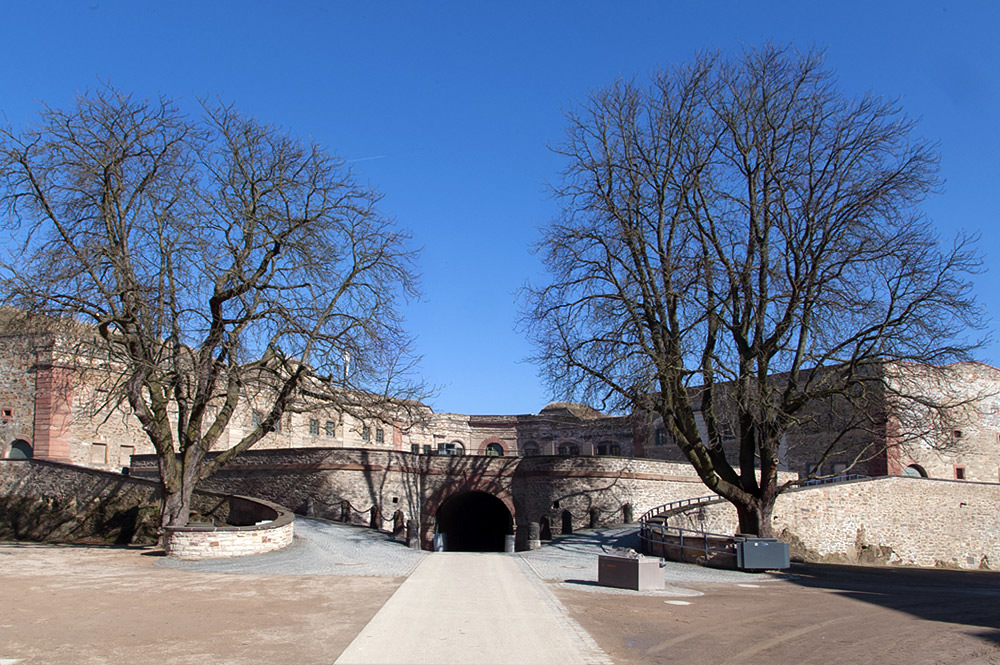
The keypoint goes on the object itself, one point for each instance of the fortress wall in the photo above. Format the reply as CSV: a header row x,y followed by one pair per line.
x,y
317,481
48,501
888,520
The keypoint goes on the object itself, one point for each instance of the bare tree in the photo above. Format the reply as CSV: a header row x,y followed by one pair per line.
x,y
219,260
739,244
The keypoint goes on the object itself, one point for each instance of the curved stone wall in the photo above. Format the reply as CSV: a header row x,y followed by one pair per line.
x,y
49,501
256,526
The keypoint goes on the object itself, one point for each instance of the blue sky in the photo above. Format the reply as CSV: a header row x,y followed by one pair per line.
x,y
448,108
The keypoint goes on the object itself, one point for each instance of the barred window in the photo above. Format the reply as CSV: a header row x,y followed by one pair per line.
x,y
313,426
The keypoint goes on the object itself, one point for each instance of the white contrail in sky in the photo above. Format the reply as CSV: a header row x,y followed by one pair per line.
x,y
365,159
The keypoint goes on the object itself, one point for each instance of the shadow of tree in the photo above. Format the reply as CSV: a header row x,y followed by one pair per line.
x,y
964,597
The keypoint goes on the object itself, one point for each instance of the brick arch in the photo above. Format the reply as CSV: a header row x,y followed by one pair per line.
x,y
485,442
18,449
495,486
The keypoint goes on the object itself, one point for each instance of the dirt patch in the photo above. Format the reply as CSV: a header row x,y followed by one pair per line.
x,y
93,605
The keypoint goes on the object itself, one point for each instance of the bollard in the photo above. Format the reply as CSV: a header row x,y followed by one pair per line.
x,y
534,541
412,537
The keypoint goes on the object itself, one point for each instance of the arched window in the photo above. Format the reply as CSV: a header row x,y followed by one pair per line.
x,y
20,450
494,450
531,449
608,448
915,471
569,449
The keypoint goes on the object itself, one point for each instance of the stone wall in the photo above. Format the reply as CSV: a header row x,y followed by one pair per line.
x,y
347,484
266,527
887,520
54,502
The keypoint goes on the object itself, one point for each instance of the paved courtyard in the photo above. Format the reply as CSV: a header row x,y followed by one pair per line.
x,y
308,603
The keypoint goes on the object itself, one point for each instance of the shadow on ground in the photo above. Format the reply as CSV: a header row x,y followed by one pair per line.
x,y
966,597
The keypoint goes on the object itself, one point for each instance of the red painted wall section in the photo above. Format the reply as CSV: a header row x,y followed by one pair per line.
x,y
53,411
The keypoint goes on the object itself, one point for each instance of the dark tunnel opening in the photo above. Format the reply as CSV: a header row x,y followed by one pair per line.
x,y
474,522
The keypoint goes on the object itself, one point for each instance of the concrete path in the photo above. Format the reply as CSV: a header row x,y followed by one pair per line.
x,y
459,607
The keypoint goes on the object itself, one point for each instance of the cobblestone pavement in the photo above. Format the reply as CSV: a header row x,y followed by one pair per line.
x,y
320,548
330,548
572,560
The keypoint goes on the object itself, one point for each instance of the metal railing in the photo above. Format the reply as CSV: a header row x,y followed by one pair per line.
x,y
844,478
657,533
712,545
681,503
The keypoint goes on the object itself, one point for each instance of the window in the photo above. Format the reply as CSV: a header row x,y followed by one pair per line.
x,y
366,433
609,449
956,434
20,450
427,450
257,418
98,453
959,472
277,426
379,435
415,448
915,471
569,449
331,429
313,426
661,437
494,450
531,449
453,448
7,414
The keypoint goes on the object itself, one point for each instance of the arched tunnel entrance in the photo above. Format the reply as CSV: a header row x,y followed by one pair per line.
x,y
474,522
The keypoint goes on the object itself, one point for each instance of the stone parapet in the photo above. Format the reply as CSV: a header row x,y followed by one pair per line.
x,y
272,530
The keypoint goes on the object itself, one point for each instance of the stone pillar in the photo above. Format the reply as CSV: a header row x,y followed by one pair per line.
x,y
375,517
345,511
398,524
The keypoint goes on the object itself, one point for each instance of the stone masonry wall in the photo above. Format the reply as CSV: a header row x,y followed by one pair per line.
x,y
53,502
888,520
346,484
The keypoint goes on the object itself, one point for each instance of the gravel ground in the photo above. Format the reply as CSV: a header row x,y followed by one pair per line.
x,y
320,548
572,560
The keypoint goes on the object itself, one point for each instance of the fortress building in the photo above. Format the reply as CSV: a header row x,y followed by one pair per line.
x,y
51,409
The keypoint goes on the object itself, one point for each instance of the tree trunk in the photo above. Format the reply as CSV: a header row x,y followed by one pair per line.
x,y
178,487
755,518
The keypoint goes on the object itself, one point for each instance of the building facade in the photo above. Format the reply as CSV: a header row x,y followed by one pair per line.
x,y
53,407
